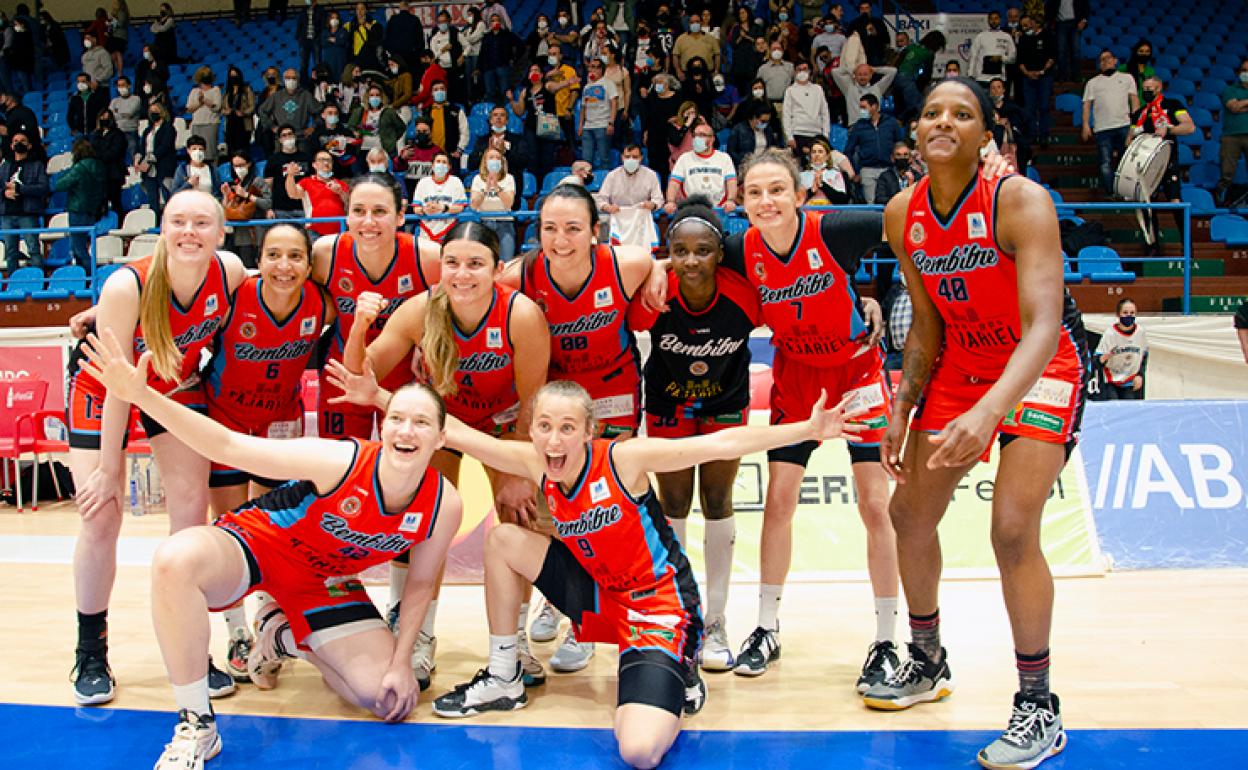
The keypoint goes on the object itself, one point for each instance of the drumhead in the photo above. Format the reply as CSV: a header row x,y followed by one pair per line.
x,y
1142,168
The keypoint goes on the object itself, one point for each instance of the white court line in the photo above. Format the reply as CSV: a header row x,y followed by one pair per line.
x,y
59,549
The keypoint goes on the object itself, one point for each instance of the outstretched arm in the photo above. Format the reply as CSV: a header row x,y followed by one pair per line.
x,y
515,457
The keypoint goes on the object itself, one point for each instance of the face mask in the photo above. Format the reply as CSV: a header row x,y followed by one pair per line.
x,y
803,76
784,16
333,24
374,102
997,100
439,96
552,61
1243,77
291,84
563,20
864,114
1145,58
1126,321
818,165
901,164
331,120
535,77
373,169
81,86
604,58
493,165
147,55
1149,95
631,165
950,75
394,69
443,26
240,172
18,28
914,136
701,144
542,26
762,122
758,93
87,44
197,155
288,145
105,121
496,26
1107,71
323,174
441,169
660,87
423,139
20,147
153,116
593,76
807,179
719,85
695,28
777,55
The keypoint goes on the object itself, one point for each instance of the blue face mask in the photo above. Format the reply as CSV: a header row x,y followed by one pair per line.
x,y
1126,321
439,96
374,102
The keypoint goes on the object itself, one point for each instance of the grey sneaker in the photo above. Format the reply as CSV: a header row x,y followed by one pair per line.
x,y
534,672
881,662
485,692
917,680
423,664
1034,734
545,626
571,655
716,655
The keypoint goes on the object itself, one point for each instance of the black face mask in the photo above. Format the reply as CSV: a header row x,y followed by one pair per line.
x,y
1108,71
21,147
901,164
153,116
105,122
1149,95
271,80
423,140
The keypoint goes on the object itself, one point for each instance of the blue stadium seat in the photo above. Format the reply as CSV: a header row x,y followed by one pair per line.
x,y
1103,265
1166,60
530,185
1201,200
1200,56
1194,139
133,197
1229,229
1071,103
551,179
1033,174
1204,174
58,253
1207,101
65,282
104,271
600,176
1181,87
735,224
1071,274
1188,72
1222,73
839,137
21,284
1201,116
1186,156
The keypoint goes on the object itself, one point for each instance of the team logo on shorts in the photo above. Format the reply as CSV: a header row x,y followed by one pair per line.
x,y
812,256
345,285
411,522
247,330
493,338
917,234
598,491
349,506
405,283
698,368
602,297
975,225
210,305
307,326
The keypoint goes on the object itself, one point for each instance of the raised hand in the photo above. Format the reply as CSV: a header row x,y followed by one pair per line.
x,y
368,306
107,363
359,389
830,423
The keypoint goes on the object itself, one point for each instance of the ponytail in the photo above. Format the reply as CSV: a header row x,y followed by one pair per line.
x,y
441,354
154,316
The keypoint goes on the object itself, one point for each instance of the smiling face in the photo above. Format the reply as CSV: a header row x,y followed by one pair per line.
x,y
468,271
284,260
951,126
567,234
411,431
695,251
192,228
771,196
561,428
372,216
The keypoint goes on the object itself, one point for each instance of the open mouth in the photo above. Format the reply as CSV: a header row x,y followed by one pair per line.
x,y
406,449
556,462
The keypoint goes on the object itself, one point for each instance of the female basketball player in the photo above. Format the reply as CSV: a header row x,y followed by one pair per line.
x,y
614,568
697,382
169,304
485,349
255,380
997,348
356,504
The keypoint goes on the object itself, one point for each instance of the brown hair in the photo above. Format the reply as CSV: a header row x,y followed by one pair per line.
x,y
575,392
772,155
437,344
437,400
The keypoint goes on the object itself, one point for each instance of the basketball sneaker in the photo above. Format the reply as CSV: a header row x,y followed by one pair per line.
x,y
716,655
93,679
571,654
485,692
423,664
195,741
545,626
265,661
759,651
534,672
392,618
220,684
1034,734
236,656
916,680
881,662
695,691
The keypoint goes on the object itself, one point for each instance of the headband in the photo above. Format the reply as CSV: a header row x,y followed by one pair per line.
x,y
706,222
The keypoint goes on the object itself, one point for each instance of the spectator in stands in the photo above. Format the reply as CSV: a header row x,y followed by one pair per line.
x,y
1010,126
540,39
439,193
1241,328
784,31
805,110
703,170
1140,64
613,69
238,106
952,69
112,150
286,160
658,108
582,174
499,9
680,130
563,81
565,34
96,61
204,104
157,158
165,35
431,73
499,49
494,190
321,193
152,71
126,108
1109,98
474,31
1036,62
53,36
449,124
83,183
335,45
914,71
292,105
1234,129
244,197
534,102
377,123
1123,356
649,55
864,80
828,35
757,132
415,160
447,49
19,55
727,100
871,30
829,176
366,36
196,173
870,144
776,74
513,146
742,37
1167,118
991,51
398,84
404,33
630,194
898,177
333,135
1067,19
695,44
309,25
118,34
599,103
25,199
88,101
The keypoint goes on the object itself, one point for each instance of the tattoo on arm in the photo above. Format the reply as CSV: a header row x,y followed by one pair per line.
x,y
915,371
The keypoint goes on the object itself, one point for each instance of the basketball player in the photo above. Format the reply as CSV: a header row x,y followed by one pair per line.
x,y
614,568
354,505
996,349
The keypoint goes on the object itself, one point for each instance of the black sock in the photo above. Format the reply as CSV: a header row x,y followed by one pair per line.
x,y
93,629
925,633
1033,673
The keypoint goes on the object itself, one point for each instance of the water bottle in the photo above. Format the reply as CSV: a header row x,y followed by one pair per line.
x,y
155,487
138,491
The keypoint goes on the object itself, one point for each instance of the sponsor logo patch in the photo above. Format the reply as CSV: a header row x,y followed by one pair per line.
x,y
698,368
812,257
493,338
1044,421
975,225
598,491
602,297
917,234
247,330
349,506
411,522
344,284
405,283
210,304
307,326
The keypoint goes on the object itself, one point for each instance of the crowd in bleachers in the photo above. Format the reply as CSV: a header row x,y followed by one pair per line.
x,y
489,108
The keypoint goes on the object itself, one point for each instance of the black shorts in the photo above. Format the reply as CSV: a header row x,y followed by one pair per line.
x,y
799,454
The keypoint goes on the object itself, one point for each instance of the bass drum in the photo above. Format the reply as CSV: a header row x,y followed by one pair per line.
x,y
1142,168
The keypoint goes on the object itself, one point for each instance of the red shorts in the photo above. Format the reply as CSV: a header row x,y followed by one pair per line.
x,y
84,414
795,388
319,609
290,425
1050,412
658,426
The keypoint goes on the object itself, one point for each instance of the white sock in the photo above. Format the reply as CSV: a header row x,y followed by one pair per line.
x,y
680,527
286,645
769,605
431,615
398,576
885,618
523,618
236,620
717,542
193,697
503,656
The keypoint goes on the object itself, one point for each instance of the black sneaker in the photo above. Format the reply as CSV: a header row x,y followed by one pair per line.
x,y
220,684
695,691
916,680
485,692
92,678
1034,734
392,618
759,651
881,662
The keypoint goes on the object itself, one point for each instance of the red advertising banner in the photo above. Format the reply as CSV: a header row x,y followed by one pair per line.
x,y
41,362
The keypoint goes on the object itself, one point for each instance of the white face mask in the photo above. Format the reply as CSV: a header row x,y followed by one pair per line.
x,y
197,155
376,169
660,87
331,120
147,55
777,55
631,165
333,24
82,86
288,145
292,84
864,114
695,27
441,169
758,93
87,44
701,144
324,174
803,76
493,165
123,92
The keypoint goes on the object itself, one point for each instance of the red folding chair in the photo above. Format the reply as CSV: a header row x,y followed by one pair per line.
x,y
44,443
18,398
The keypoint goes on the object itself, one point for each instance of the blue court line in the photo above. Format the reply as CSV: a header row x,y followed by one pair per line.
x,y
104,739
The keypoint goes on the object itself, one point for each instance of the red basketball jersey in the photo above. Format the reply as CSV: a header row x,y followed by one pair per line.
x,y
625,543
487,368
344,531
257,370
193,326
590,340
403,278
974,283
808,299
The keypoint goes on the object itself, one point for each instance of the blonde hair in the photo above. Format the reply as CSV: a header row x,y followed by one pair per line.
x,y
570,390
437,344
154,303
485,156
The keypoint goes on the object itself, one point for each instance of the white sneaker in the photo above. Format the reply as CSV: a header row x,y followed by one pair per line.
x,y
485,692
571,655
534,672
716,654
265,661
545,626
423,664
195,741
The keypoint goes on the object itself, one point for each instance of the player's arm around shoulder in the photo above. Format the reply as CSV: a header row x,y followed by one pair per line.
x,y
635,263
322,256
1027,226
530,338
235,271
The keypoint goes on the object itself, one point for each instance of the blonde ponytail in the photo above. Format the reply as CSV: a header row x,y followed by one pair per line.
x,y
441,354
154,316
